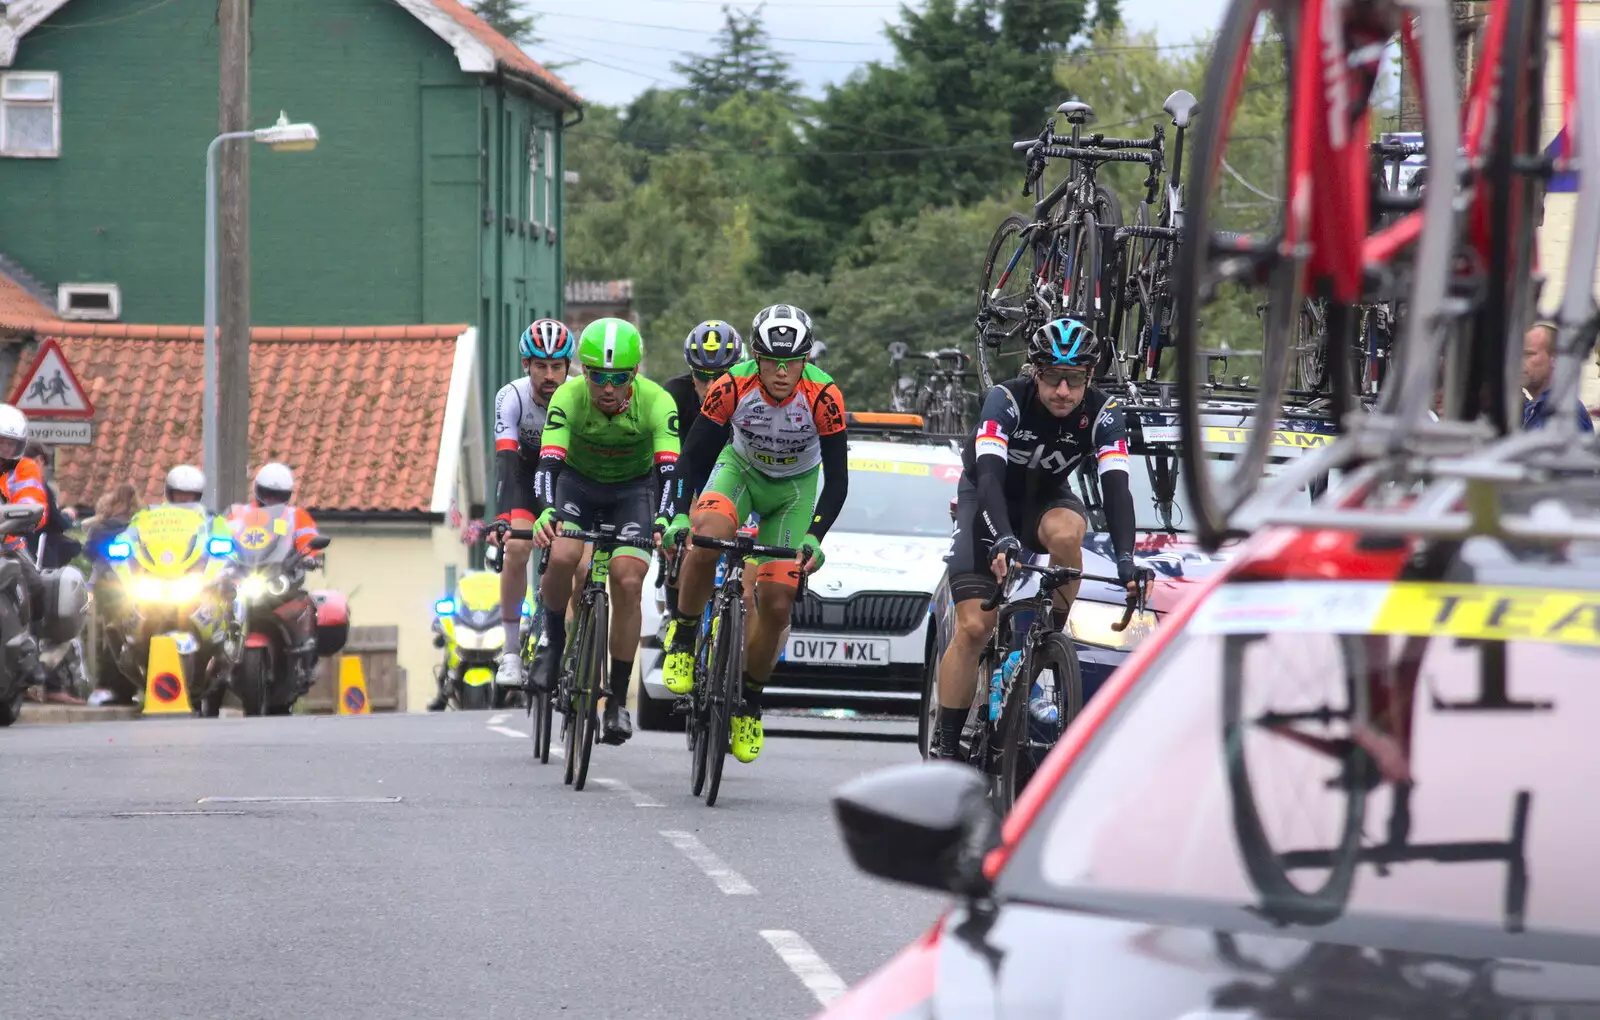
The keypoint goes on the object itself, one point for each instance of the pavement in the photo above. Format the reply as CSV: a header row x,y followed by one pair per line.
x,y
430,868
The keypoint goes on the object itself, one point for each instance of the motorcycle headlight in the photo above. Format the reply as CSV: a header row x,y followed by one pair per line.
x,y
148,589
185,589
253,587
1091,623
481,640
278,585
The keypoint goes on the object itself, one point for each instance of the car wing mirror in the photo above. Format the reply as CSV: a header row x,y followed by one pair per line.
x,y
320,543
924,824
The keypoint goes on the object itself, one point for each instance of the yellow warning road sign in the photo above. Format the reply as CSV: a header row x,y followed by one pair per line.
x,y
165,689
352,687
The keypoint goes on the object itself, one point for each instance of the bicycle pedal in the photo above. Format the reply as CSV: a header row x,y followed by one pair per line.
x,y
682,706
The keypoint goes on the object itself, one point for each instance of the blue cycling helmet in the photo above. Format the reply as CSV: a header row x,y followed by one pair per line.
x,y
546,338
1064,343
713,346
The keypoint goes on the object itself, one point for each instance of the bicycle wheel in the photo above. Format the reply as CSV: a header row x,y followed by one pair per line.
x,y
592,674
1282,898
698,724
1507,213
1020,752
1010,271
567,686
1084,299
727,674
1232,261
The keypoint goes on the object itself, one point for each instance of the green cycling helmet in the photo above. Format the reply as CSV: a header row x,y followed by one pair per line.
x,y
610,343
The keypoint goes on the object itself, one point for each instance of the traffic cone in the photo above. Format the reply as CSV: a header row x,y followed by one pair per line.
x,y
352,687
165,692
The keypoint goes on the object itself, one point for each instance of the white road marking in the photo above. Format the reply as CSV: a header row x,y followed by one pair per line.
x,y
169,814
496,720
509,732
639,799
803,961
729,881
298,800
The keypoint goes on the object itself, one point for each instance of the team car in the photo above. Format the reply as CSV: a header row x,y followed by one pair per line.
x,y
860,634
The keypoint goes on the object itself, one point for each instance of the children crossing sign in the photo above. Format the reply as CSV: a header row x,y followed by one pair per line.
x,y
50,389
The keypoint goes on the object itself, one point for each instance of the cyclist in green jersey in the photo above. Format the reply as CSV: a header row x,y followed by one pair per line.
x,y
604,435
767,429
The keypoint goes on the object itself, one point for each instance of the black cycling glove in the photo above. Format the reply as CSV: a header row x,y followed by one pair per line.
x,y
1127,570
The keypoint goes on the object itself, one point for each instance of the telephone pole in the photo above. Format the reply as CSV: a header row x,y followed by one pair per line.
x,y
233,255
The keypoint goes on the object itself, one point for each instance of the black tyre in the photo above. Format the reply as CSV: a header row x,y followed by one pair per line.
x,y
1282,899
1085,299
592,676
251,680
11,709
569,700
1204,290
1514,193
727,676
474,699
1019,752
928,717
1004,339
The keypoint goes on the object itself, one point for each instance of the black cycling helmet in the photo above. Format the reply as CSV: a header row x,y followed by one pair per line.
x,y
1063,343
713,346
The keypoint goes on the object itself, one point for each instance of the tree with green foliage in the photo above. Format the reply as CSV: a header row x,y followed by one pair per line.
x,y
745,62
507,18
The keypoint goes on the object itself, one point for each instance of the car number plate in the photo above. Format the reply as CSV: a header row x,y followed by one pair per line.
x,y
837,651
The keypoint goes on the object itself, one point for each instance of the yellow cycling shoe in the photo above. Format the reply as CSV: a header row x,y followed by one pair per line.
x,y
677,672
746,737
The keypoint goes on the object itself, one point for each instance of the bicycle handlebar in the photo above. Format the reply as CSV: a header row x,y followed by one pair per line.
x,y
1054,577
744,545
1096,155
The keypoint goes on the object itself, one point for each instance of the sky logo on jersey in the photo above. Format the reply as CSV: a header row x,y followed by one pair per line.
x,y
1113,456
990,440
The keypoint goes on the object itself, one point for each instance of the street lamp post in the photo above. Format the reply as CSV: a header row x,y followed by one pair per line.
x,y
282,137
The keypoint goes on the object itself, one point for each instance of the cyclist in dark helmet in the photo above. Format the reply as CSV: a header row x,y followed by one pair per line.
x,y
711,348
1015,493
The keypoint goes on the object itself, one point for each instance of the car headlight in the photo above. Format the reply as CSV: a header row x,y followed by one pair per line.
x,y
481,640
1091,623
253,587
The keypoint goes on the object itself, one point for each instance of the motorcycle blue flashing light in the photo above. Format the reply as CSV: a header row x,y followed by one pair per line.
x,y
527,610
220,546
445,607
119,550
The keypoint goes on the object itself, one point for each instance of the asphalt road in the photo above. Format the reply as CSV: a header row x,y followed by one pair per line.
x,y
460,879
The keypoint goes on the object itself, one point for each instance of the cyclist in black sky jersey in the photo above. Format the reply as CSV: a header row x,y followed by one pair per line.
x,y
1015,493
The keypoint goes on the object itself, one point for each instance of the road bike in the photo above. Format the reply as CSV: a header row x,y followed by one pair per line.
x,y
1009,747
1068,270
717,697
938,391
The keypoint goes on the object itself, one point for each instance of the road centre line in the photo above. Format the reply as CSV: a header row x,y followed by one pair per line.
x,y
498,718
639,799
803,961
729,881
509,732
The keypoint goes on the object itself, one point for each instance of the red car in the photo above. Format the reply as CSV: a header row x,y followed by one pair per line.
x,y
1351,778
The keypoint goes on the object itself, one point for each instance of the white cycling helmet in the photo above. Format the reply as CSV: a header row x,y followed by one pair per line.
x,y
274,483
185,478
13,432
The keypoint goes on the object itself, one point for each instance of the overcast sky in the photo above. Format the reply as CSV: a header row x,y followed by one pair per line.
x,y
623,47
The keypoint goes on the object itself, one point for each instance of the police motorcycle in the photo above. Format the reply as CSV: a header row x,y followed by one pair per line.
x,y
467,626
54,601
169,578
286,628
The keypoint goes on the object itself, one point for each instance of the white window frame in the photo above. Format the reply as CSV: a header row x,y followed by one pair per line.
x,y
549,176
533,176
111,291
54,102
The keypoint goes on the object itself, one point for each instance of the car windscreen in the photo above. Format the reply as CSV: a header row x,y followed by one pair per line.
x,y
1144,473
1269,772
898,497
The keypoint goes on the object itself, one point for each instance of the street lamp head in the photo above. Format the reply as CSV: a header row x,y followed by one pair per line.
x,y
286,137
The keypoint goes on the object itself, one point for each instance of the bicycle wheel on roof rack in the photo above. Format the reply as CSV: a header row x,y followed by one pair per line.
x,y
1233,367
1007,313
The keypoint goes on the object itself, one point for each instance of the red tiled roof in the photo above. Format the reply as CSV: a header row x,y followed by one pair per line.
x,y
506,52
357,413
16,304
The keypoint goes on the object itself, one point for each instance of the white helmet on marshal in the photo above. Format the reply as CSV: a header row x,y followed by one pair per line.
x,y
13,432
274,483
186,478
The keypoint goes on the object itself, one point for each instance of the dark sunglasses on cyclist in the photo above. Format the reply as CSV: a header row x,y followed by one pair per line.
x,y
707,374
1076,378
610,378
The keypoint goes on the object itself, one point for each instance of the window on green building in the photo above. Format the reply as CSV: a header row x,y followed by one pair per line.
x,y
30,114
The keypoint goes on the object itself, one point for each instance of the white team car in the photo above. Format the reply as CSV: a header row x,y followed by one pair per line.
x,y
861,633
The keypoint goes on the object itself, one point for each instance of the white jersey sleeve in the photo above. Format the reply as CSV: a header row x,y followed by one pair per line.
x,y
518,420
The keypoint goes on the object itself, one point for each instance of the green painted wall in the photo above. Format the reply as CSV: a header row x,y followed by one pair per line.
x,y
413,208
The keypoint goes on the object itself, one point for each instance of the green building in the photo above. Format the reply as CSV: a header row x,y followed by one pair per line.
x,y
434,195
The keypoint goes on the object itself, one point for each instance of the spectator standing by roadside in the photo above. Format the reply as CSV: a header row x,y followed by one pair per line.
x,y
59,548
1538,362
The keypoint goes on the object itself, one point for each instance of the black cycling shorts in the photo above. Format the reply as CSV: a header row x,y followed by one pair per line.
x,y
970,576
629,505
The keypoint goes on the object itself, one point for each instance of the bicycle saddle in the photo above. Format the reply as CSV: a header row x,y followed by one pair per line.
x,y
1181,106
1076,112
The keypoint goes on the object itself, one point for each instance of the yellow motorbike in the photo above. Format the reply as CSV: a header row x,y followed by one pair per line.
x,y
168,577
467,626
